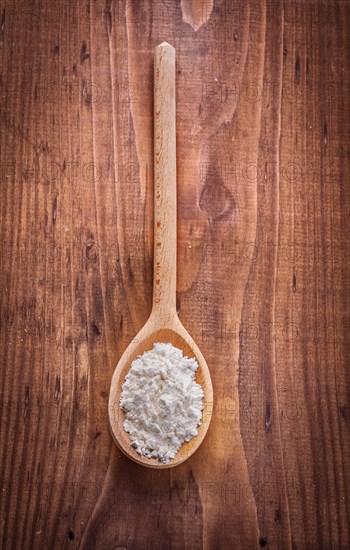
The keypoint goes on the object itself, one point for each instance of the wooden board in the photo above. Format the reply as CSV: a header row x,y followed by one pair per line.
x,y
263,269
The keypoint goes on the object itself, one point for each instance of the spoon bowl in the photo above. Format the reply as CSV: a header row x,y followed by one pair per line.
x,y
150,334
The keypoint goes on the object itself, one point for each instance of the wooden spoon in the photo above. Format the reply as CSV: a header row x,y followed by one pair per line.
x,y
163,324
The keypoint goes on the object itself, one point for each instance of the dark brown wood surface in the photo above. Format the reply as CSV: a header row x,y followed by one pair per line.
x,y
263,124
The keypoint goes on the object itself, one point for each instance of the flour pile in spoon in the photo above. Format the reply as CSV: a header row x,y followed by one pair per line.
x,y
162,402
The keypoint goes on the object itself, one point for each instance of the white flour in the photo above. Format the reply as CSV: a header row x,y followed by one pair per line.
x,y
162,402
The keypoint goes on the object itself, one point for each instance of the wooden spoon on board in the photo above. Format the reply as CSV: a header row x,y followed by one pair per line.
x,y
163,324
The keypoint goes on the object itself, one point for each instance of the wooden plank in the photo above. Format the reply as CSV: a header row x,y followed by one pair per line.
x,y
263,269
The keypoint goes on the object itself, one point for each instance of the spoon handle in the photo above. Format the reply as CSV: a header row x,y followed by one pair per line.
x,y
164,274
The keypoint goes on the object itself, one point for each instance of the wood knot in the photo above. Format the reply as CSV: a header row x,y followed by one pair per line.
x,y
216,200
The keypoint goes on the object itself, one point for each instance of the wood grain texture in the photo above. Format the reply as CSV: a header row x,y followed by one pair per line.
x,y
263,269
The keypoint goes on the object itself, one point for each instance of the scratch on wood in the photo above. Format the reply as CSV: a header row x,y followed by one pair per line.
x,y
3,19
96,435
109,19
345,412
84,54
96,330
54,210
267,416
26,400
57,388
297,70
